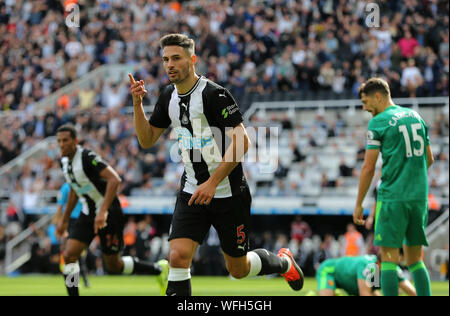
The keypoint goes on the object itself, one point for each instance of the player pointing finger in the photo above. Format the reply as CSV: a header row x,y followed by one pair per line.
x,y
137,89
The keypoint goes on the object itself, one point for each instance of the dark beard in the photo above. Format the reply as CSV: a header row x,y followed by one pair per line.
x,y
181,79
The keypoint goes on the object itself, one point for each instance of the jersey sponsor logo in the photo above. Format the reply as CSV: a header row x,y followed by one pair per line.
x,y
224,113
82,190
186,141
229,110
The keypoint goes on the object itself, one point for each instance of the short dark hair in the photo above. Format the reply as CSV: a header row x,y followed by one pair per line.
x,y
178,40
68,128
374,85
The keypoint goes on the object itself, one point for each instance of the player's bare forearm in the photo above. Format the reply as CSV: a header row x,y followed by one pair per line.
x,y
430,157
72,201
238,148
367,172
222,172
58,214
234,154
143,128
365,179
112,186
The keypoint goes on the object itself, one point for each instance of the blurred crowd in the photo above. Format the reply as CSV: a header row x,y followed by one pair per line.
x,y
314,155
146,239
250,47
247,46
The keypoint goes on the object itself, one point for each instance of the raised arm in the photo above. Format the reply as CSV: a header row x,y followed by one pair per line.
x,y
147,134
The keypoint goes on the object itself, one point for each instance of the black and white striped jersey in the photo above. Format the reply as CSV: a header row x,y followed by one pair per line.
x,y
83,175
200,118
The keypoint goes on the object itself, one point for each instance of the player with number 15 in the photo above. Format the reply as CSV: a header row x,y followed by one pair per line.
x,y
401,135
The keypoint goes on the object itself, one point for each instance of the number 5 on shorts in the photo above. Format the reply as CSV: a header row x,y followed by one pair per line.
x,y
240,234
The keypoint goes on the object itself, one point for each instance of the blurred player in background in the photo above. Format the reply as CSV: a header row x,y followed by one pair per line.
x,y
214,190
63,195
401,136
94,183
356,276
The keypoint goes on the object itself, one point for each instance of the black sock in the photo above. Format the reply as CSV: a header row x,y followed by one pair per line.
x,y
271,263
83,270
179,288
132,265
142,267
71,283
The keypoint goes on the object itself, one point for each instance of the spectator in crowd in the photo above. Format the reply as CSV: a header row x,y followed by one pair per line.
x,y
412,78
344,169
324,252
300,229
407,45
353,242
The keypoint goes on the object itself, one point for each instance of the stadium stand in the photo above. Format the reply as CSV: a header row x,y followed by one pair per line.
x,y
262,51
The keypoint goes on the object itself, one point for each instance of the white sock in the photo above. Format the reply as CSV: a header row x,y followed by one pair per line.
x,y
255,264
71,268
179,274
128,265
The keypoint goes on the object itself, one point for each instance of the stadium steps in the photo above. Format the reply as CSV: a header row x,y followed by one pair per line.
x,y
18,249
437,251
111,73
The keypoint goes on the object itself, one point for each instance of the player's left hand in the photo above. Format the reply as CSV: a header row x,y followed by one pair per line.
x,y
100,221
358,215
204,194
369,222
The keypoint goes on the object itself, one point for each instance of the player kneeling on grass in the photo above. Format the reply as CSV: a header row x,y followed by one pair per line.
x,y
357,276
95,184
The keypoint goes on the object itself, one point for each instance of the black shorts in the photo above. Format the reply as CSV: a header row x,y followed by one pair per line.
x,y
111,237
72,224
229,216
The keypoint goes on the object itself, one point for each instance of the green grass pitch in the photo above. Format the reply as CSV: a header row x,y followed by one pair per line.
x,y
39,285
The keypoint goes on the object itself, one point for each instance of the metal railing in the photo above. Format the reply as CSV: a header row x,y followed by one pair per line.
x,y
348,103
111,73
436,253
20,160
15,259
434,229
